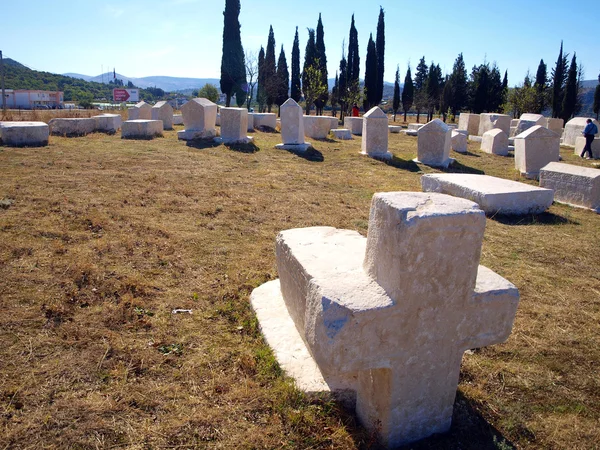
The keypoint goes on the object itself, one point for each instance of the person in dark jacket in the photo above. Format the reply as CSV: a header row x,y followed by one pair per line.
x,y
589,132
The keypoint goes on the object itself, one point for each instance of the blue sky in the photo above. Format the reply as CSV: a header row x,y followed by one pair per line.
x,y
183,37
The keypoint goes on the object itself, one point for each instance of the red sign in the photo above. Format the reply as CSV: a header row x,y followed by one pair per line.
x,y
122,95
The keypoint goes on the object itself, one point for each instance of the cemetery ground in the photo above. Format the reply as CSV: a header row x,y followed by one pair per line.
x,y
102,238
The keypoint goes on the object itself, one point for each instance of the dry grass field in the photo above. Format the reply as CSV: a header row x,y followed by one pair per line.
x,y
102,238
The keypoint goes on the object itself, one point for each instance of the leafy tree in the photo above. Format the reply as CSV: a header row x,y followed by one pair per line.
x,y
522,98
210,92
380,47
261,95
407,93
313,85
321,57
353,66
251,75
85,99
310,55
569,103
458,83
420,93
370,89
559,78
270,70
396,102
233,67
283,79
596,107
296,90
541,85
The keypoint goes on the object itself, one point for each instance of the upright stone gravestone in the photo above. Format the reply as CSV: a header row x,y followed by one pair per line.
x,y
265,120
375,134
292,127
317,127
163,111
199,119
354,124
534,149
469,122
555,125
526,121
234,126
489,121
459,141
250,122
495,141
394,336
573,130
433,145
140,111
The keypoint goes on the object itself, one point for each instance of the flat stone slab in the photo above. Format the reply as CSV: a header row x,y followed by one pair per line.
x,y
108,123
573,185
24,134
394,128
342,134
475,138
412,132
415,126
493,195
72,127
141,129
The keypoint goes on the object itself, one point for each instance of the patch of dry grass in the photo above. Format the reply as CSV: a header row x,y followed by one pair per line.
x,y
102,238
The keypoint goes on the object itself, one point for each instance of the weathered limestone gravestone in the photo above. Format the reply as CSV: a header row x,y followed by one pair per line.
x,y
493,195
534,149
459,141
292,127
395,129
342,134
140,111
433,145
24,134
163,111
72,127
389,316
354,124
199,118
250,122
415,126
573,130
555,125
489,121
375,134
141,129
108,123
469,122
234,126
267,120
317,127
495,141
177,119
526,121
580,144
573,185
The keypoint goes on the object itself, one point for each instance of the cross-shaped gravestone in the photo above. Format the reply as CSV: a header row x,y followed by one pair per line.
x,y
391,315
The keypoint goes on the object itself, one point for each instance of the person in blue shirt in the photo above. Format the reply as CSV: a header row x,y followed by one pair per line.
x,y
589,131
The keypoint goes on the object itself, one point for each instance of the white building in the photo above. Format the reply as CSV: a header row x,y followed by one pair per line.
x,y
31,99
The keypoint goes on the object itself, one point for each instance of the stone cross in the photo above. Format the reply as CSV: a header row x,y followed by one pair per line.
x,y
390,316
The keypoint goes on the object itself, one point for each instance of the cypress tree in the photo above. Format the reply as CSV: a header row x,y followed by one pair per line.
x,y
342,90
309,60
569,103
296,91
495,94
233,66
321,60
596,107
270,71
541,82
353,64
458,80
283,79
370,90
380,47
334,98
433,89
480,88
408,93
505,87
420,95
261,96
559,74
396,102
447,97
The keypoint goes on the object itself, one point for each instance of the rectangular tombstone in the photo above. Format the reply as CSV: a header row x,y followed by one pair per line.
x,y
580,144
555,125
141,129
573,185
250,122
317,127
199,118
177,119
163,111
266,120
108,123
342,134
526,121
434,142
395,129
415,126
375,134
24,134
354,124
535,148
495,141
459,141
141,111
488,121
469,122
234,126
72,127
493,195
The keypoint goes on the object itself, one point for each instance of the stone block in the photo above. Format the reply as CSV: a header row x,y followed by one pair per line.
x,y
413,133
354,124
292,127
513,123
555,125
72,127
24,134
495,141
218,118
177,119
199,119
141,111
317,127
394,129
573,130
141,129
489,121
475,138
459,141
434,142
266,120
469,122
573,185
580,144
250,122
234,126
526,121
493,195
375,134
108,123
534,149
342,134
415,126
164,112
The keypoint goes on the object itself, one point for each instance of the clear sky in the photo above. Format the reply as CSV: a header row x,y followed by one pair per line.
x,y
183,38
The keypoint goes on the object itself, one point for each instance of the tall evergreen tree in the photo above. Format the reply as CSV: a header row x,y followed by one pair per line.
x,y
446,98
495,91
458,84
432,88
505,87
420,93
370,90
310,55
396,102
380,47
408,93
283,79
559,77
321,59
569,103
540,85
270,71
353,64
334,97
596,107
296,89
261,95
479,87
233,66
343,88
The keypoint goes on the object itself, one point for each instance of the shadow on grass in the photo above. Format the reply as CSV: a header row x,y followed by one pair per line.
x,y
266,129
251,147
404,164
328,140
312,155
201,144
546,218
457,167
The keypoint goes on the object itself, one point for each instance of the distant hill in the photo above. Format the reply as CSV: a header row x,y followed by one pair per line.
x,y
169,84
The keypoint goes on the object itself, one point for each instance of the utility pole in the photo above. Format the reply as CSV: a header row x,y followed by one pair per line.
x,y
2,82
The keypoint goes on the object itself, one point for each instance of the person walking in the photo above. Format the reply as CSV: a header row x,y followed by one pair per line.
x,y
589,132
